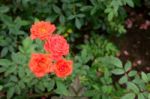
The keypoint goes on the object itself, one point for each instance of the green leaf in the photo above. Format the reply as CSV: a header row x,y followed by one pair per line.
x,y
110,16
128,96
144,77
117,62
17,89
112,61
116,4
21,49
10,70
71,17
5,62
19,58
77,23
34,82
130,3
49,85
36,19
89,93
127,66
86,8
21,84
80,15
148,75
9,84
27,42
10,92
132,87
141,96
4,51
4,9
19,22
95,86
62,19
149,96
97,96
94,2
56,9
6,19
123,79
13,78
40,86
132,73
107,89
21,72
93,10
118,71
1,87
61,88
3,69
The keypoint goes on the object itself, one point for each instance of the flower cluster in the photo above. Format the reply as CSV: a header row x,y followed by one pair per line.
x,y
55,46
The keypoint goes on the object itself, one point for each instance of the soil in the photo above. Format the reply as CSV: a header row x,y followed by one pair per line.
x,y
135,46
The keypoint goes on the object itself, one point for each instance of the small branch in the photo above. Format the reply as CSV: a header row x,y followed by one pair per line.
x,y
40,94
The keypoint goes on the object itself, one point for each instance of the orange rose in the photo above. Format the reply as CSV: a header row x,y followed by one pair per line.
x,y
63,68
42,30
57,46
40,64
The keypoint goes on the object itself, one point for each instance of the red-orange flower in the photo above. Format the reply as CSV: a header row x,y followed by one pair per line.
x,y
42,30
57,46
40,64
63,68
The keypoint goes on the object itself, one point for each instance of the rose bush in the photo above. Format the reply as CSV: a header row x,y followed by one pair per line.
x,y
79,68
56,46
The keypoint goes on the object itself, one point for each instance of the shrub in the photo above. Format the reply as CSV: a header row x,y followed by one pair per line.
x,y
97,73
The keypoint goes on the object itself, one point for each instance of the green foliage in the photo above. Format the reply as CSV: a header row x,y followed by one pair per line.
x,y
1,87
95,76
135,83
70,14
129,96
61,88
18,79
99,74
98,46
96,71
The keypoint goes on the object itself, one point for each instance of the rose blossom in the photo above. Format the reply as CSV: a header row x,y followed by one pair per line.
x,y
57,46
40,64
42,30
63,68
